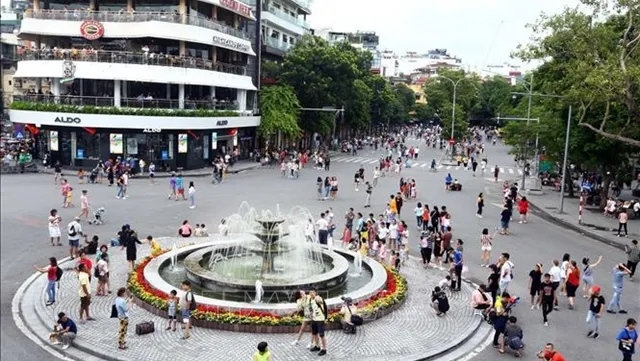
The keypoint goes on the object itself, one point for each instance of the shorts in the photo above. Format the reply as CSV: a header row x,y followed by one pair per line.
x,y
317,328
534,291
486,248
504,224
181,191
186,315
104,279
75,243
172,317
151,175
555,285
85,302
571,290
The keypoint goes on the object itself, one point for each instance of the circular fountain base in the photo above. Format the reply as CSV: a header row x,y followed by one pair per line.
x,y
333,273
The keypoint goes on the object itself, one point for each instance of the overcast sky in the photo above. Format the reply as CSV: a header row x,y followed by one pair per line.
x,y
481,32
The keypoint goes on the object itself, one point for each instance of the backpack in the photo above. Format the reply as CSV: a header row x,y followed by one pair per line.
x,y
324,309
58,274
72,230
192,304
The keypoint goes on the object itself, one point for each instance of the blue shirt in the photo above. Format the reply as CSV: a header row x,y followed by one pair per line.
x,y
449,179
457,257
626,334
69,324
179,183
618,276
122,307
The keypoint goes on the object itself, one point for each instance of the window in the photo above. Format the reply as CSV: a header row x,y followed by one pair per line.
x,y
87,145
275,34
284,38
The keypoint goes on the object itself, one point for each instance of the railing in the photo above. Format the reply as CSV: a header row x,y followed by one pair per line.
x,y
125,102
134,17
124,57
288,17
277,43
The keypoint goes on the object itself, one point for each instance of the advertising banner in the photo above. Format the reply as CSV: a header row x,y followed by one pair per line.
x,y
182,143
53,141
115,143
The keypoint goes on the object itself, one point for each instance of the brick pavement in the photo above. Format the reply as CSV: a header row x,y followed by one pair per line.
x,y
412,331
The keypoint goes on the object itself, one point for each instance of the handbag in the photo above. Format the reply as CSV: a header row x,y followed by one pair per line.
x,y
356,320
626,344
144,328
114,311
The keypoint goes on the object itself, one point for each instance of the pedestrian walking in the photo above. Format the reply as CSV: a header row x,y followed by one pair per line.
x,y
633,257
369,190
594,313
623,217
419,212
84,205
619,271
486,242
548,298
496,173
480,205
627,339
191,193
54,227
122,306
523,208
556,278
535,283
573,282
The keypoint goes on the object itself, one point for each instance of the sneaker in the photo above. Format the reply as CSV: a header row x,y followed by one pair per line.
x,y
546,324
533,307
322,352
589,334
295,342
556,308
622,312
192,207
610,311
64,347
596,335
314,349
571,307
310,345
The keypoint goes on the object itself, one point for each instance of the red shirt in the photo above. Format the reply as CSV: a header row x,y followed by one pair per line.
x,y
87,264
524,206
52,273
555,356
574,277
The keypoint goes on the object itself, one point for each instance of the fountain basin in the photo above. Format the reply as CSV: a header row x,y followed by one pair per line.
x,y
152,275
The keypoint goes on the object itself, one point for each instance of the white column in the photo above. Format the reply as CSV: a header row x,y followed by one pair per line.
x,y
181,96
55,86
124,89
241,99
116,93
213,92
168,91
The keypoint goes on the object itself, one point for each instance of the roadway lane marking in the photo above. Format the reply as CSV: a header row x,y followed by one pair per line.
x,y
520,171
448,167
510,171
424,165
373,161
501,170
440,166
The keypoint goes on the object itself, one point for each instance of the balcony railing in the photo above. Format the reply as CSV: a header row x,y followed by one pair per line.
x,y
134,17
278,44
125,102
288,17
124,57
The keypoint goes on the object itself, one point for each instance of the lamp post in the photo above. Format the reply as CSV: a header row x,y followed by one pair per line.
x,y
453,112
564,163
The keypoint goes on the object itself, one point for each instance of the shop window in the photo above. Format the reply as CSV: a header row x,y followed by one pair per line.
x,y
152,147
87,145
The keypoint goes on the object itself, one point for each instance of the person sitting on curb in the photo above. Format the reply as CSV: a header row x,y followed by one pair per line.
x,y
348,311
512,337
64,331
440,301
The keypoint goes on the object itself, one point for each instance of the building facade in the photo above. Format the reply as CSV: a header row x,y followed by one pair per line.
x,y
365,40
167,81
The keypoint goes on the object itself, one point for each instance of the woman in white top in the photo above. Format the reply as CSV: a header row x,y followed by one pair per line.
x,y
54,227
191,193
376,175
419,212
485,246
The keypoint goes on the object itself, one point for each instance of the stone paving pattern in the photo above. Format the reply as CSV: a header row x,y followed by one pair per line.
x,y
422,331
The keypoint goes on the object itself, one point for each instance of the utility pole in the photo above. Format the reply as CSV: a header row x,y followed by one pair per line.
x,y
453,111
564,163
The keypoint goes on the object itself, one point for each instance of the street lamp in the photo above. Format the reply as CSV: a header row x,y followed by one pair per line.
x,y
453,112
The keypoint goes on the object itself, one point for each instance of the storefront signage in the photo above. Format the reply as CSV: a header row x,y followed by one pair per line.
x,y
222,123
214,140
115,143
53,141
237,7
68,72
152,130
68,120
182,143
80,153
230,44
91,30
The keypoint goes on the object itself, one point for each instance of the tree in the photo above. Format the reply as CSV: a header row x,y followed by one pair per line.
x,y
594,56
493,98
384,103
406,96
271,69
279,108
424,112
461,126
358,106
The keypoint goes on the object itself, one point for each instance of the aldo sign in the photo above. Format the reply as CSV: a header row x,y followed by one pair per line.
x,y
68,120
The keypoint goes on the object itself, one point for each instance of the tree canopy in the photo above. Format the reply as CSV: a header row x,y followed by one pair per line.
x,y
591,55
279,108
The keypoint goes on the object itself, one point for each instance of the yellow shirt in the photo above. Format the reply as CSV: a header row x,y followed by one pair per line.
x,y
83,279
364,250
393,206
69,196
155,248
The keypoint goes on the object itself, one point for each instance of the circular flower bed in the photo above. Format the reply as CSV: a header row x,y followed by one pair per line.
x,y
381,303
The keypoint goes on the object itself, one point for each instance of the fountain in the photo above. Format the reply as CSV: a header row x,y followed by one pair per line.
x,y
264,259
174,257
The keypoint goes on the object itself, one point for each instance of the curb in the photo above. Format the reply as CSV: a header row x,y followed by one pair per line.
x,y
168,175
574,227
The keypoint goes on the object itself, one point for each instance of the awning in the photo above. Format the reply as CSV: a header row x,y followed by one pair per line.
x,y
235,6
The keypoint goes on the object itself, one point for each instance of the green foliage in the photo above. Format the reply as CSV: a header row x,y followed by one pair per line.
x,y
270,69
385,106
461,126
423,112
494,98
593,58
406,96
279,108
148,112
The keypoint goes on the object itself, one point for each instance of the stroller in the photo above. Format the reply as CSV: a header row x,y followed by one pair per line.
x,y
94,175
97,216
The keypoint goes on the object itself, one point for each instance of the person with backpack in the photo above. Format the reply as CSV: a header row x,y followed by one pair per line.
x,y
350,317
627,339
440,301
54,273
319,315
74,232
187,305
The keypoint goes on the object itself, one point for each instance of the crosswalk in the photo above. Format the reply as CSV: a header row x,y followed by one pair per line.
x,y
422,165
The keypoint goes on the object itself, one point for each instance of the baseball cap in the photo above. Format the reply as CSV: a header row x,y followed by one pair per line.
x,y
596,289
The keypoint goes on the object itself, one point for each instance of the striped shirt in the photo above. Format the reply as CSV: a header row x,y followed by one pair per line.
x,y
485,240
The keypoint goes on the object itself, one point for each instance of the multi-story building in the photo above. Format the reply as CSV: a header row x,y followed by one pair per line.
x,y
284,22
417,65
165,81
366,40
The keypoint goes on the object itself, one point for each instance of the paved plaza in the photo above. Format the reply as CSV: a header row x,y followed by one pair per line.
x,y
27,199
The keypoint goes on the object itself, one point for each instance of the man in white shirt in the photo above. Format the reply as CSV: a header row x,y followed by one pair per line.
x,y
310,231
323,229
393,232
506,272
74,232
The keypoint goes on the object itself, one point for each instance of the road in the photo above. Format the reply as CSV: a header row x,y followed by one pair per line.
x,y
27,199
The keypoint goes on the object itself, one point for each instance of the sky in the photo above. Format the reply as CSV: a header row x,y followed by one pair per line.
x,y
481,32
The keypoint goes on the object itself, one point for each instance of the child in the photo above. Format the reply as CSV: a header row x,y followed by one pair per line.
x,y
403,254
180,187
445,283
172,302
364,249
81,175
263,353
203,231
197,232
392,260
172,187
414,191
373,251
68,203
383,252
346,237
156,250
